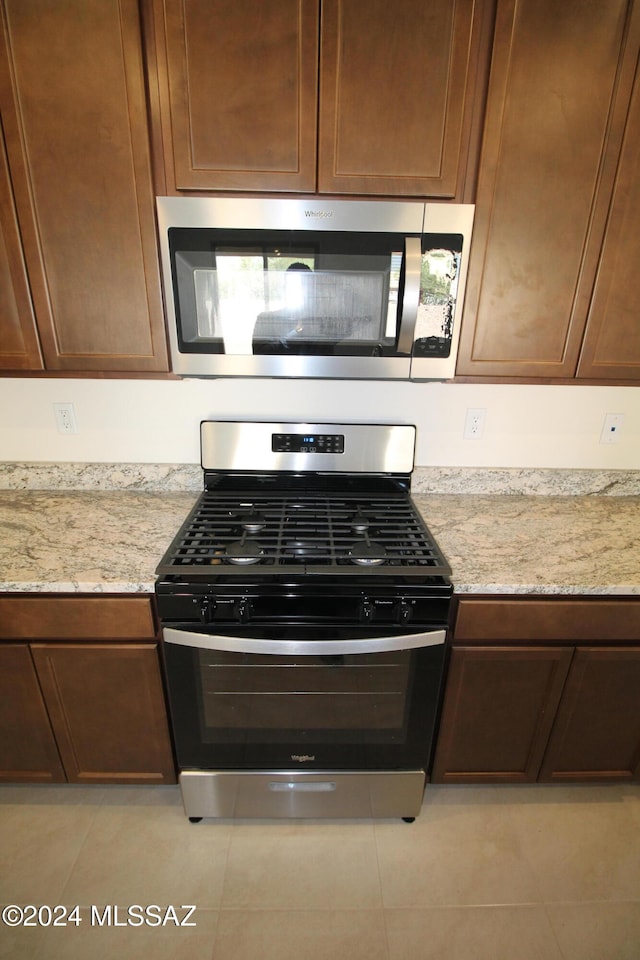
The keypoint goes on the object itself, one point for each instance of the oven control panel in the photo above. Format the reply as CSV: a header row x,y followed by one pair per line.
x,y
307,443
265,606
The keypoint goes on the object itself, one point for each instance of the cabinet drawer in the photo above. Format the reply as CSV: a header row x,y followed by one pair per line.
x,y
565,620
70,618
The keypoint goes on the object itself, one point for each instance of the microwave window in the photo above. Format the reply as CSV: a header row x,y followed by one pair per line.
x,y
250,298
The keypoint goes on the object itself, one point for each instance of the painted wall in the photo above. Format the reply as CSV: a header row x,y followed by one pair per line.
x,y
153,421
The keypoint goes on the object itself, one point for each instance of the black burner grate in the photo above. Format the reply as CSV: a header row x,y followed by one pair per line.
x,y
304,533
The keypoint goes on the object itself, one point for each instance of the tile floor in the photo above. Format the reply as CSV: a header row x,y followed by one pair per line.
x,y
485,873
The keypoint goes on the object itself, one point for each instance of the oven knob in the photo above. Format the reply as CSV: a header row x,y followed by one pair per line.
x,y
242,610
366,611
405,611
207,609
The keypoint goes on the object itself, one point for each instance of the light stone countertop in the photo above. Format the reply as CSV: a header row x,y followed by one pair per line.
x,y
86,541
538,544
111,541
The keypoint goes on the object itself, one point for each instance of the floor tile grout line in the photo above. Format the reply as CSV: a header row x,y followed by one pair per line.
x,y
232,831
555,935
96,809
248,908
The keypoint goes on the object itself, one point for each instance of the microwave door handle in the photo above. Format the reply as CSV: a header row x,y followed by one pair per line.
x,y
309,648
411,296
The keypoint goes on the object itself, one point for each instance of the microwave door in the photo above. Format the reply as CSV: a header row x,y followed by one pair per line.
x,y
328,293
329,308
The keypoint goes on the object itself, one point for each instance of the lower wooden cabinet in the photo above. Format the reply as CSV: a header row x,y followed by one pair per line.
x,y
498,711
596,733
28,750
567,710
82,711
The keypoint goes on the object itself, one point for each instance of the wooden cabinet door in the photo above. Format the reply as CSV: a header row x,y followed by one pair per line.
x,y
238,92
596,735
107,709
398,84
77,143
498,710
28,750
611,348
19,346
558,97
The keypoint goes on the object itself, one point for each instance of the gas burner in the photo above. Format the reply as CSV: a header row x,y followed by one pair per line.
x,y
243,552
367,554
359,523
305,548
252,522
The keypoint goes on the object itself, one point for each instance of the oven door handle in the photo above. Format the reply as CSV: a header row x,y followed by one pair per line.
x,y
309,648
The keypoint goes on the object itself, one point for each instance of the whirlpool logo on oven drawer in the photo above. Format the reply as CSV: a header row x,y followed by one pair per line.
x,y
303,757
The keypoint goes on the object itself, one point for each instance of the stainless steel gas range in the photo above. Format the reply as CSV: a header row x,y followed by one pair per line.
x,y
304,607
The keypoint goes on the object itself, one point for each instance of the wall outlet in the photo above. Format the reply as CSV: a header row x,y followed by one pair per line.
x,y
611,427
474,423
65,418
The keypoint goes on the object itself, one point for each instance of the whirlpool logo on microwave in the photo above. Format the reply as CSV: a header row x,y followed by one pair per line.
x,y
319,214
303,757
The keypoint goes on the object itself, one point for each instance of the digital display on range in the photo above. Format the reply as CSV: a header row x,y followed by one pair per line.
x,y
307,443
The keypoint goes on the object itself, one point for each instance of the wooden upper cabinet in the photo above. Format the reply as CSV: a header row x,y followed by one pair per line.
x,y
76,133
19,345
558,98
396,111
238,93
398,86
611,347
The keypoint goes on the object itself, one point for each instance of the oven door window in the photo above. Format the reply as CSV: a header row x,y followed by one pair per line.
x,y
238,710
319,293
346,694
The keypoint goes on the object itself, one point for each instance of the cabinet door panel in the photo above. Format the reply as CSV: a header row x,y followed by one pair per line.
x,y
596,735
78,150
551,141
19,347
242,93
612,343
27,748
107,710
397,84
498,710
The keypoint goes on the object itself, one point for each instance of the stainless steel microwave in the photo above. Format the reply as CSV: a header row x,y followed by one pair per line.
x,y
313,288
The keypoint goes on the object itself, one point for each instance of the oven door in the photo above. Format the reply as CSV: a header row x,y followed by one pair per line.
x,y
303,698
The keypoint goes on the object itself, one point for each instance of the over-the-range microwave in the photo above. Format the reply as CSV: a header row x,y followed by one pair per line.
x,y
313,288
